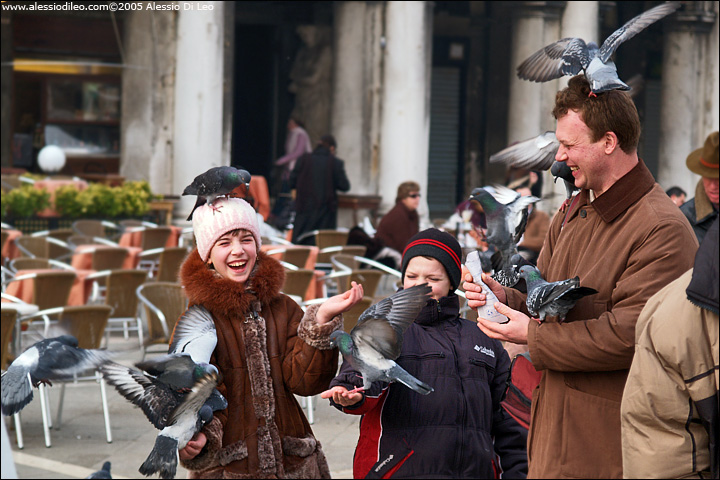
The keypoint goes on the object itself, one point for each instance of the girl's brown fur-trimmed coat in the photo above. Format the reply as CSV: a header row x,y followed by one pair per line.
x,y
267,351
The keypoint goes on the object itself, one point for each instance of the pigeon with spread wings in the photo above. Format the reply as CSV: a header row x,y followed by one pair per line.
x,y
375,342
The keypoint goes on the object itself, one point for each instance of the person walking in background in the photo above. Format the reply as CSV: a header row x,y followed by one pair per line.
x,y
702,210
670,421
268,350
677,195
297,144
623,237
316,178
457,430
402,221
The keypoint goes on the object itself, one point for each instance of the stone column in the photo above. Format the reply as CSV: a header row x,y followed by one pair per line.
x,y
689,86
405,118
198,97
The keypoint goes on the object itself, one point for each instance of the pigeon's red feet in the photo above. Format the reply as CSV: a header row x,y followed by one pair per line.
x,y
356,390
215,209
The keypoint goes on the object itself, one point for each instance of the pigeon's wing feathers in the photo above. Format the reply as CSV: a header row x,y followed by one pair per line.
x,y
154,398
575,58
209,182
61,360
195,399
633,27
195,334
545,64
400,309
504,194
537,153
379,335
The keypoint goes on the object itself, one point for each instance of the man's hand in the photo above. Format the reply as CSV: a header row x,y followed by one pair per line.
x,y
341,396
193,447
473,291
515,331
338,304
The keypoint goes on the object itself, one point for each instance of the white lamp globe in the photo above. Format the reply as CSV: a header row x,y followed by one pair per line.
x,y
51,159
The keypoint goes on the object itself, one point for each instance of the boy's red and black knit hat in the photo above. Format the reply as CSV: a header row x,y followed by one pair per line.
x,y
439,245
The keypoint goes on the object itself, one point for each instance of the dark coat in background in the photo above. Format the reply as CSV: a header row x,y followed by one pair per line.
x,y
699,211
398,226
317,177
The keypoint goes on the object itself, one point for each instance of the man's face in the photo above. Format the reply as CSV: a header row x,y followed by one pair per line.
x,y
712,189
586,159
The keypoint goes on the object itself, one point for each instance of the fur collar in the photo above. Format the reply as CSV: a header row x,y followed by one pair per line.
x,y
205,286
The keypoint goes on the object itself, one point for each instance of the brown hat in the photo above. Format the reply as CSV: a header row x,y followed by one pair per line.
x,y
704,161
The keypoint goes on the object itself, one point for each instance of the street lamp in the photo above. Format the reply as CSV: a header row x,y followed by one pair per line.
x,y
51,159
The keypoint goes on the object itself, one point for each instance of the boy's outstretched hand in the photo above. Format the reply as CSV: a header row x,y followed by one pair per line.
x,y
341,396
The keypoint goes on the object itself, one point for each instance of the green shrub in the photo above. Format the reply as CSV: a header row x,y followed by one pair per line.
x,y
68,202
25,201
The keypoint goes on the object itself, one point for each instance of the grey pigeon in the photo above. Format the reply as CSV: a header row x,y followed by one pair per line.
x,y
195,334
375,342
177,395
537,153
216,182
570,55
103,473
49,359
506,217
551,298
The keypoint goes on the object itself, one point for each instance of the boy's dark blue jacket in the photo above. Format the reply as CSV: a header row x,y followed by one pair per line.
x,y
455,431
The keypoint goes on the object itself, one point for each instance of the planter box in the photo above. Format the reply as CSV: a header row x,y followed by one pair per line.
x,y
31,225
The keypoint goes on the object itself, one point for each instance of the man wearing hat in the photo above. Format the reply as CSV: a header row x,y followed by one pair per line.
x,y
702,210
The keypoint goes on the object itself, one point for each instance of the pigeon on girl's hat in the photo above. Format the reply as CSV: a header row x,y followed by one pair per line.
x,y
375,342
49,359
216,182
571,55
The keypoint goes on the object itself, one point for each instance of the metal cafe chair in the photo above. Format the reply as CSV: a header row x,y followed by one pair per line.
x,y
163,303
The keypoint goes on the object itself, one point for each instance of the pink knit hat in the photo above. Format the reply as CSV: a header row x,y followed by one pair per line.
x,y
209,224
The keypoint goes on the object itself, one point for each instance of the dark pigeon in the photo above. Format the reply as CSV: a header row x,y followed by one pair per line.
x,y
555,299
177,395
216,182
506,216
375,342
103,473
569,56
50,359
537,153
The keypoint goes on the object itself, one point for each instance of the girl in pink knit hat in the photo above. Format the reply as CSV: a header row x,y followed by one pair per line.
x,y
268,350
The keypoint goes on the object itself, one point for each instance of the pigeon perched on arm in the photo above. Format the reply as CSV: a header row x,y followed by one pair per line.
x,y
506,216
214,183
570,55
49,359
537,153
551,298
375,342
103,473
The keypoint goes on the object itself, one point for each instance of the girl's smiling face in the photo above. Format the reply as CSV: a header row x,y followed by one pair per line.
x,y
427,270
234,255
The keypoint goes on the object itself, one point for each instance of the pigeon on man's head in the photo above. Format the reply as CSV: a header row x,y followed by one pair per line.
x,y
216,182
49,359
375,342
177,395
506,213
537,153
551,298
103,473
570,55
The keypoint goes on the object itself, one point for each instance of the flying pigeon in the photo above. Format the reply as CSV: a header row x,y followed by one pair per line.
x,y
104,472
506,217
49,359
376,341
177,395
551,298
195,334
570,55
216,182
538,153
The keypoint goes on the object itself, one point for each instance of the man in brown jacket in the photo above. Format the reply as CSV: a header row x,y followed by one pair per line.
x,y
623,237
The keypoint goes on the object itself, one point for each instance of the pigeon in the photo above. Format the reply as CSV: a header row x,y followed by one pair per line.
x,y
375,342
570,55
216,182
49,359
538,153
177,395
104,472
551,298
195,334
506,216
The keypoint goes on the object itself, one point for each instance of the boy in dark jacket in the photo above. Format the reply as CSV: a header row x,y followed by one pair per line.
x,y
458,430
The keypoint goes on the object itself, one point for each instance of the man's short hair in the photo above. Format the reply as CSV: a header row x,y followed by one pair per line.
x,y
612,111
677,191
328,141
405,189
